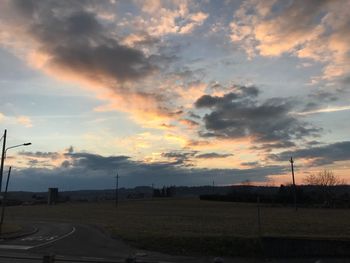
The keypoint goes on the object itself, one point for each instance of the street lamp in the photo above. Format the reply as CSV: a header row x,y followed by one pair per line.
x,y
19,145
3,156
3,201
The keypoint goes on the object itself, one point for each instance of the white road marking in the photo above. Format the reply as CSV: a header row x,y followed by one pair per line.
x,y
18,247
38,238
59,238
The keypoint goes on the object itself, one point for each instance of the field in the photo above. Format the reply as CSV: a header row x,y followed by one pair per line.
x,y
191,225
9,228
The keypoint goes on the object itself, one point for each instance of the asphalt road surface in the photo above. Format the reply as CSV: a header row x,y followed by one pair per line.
x,y
45,235
85,243
81,242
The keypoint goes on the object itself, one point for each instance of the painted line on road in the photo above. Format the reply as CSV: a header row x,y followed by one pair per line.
x,y
59,238
17,247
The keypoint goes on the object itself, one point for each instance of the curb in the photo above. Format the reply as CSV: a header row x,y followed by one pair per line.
x,y
19,234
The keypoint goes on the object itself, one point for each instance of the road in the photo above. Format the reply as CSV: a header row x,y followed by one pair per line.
x,y
45,235
85,243
74,241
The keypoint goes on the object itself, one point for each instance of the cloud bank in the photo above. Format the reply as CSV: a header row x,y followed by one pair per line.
x,y
82,170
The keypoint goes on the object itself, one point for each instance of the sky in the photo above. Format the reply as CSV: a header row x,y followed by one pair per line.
x,y
173,92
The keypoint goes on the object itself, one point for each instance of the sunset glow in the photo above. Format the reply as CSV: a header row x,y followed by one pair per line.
x,y
174,92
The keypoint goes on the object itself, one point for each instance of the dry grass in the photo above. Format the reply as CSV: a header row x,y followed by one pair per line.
x,y
191,223
8,228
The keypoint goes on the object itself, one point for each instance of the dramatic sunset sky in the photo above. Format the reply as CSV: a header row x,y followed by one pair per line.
x,y
174,92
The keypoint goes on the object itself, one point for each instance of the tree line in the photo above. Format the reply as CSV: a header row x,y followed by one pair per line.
x,y
323,189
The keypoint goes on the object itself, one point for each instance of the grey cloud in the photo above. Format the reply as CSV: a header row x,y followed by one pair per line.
x,y
33,162
212,155
321,155
238,114
180,157
301,16
76,40
207,101
91,171
51,155
276,145
193,115
324,96
250,163
313,143
95,161
346,80
80,43
318,99
114,61
65,164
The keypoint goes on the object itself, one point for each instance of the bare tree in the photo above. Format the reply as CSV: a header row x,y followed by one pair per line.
x,y
324,178
246,182
325,181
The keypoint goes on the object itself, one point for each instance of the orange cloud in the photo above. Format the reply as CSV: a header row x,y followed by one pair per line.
x,y
25,121
317,31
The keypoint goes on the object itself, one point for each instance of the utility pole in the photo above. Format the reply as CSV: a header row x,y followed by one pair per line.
x,y
2,158
294,186
116,190
4,200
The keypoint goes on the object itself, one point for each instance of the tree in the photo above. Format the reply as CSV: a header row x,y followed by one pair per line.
x,y
325,181
325,178
246,182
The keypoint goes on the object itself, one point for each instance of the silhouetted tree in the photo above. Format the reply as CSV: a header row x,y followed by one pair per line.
x,y
246,183
325,178
325,181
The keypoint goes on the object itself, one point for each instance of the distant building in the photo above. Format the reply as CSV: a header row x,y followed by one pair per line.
x,y
52,196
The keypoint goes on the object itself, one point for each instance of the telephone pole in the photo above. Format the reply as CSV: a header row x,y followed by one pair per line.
x,y
2,158
116,190
294,186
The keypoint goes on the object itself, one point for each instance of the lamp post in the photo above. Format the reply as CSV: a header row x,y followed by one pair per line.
x,y
18,145
3,156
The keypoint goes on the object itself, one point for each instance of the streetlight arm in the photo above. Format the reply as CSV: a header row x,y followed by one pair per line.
x,y
19,145
3,154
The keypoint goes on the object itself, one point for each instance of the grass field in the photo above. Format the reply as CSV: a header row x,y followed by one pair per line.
x,y
191,225
9,228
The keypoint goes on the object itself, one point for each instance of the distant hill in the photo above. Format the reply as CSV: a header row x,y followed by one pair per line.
x,y
181,191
